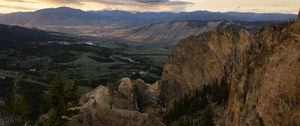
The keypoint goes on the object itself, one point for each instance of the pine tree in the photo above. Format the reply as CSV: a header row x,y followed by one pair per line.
x,y
56,102
71,93
111,91
61,97
71,97
55,94
15,109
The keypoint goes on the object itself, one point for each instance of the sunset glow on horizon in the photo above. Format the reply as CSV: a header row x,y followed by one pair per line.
x,y
258,6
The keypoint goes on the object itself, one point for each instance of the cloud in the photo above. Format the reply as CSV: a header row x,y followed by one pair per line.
x,y
118,2
132,5
139,2
47,1
17,7
15,0
60,1
23,1
151,1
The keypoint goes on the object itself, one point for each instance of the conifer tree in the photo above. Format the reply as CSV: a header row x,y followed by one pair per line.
x,y
15,108
61,97
71,97
54,98
111,91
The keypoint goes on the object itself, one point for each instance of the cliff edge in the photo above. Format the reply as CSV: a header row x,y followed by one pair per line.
x,y
230,76
262,72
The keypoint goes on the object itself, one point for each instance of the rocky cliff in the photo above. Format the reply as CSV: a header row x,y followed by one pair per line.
x,y
132,103
201,60
265,87
261,71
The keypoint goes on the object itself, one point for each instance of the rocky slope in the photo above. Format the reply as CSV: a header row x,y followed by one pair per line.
x,y
131,104
261,71
201,60
16,34
169,33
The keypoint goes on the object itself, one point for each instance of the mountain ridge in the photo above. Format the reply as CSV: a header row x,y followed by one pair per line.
x,y
71,20
171,32
261,73
17,34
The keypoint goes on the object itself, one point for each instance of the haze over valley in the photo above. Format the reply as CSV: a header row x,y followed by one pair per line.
x,y
143,27
66,63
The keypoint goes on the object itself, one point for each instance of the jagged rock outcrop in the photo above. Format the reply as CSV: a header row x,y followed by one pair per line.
x,y
132,104
201,60
126,88
262,71
264,92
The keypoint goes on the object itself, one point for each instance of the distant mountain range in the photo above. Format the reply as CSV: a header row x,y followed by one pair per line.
x,y
60,19
147,27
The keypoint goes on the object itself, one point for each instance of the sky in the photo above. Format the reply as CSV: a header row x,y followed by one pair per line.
x,y
259,6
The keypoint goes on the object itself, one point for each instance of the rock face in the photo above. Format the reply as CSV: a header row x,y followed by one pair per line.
x,y
201,60
133,104
126,88
263,73
265,91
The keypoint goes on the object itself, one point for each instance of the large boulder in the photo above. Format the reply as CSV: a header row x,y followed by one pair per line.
x,y
125,107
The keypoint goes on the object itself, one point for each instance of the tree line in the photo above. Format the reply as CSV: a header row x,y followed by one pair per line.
x,y
61,100
197,109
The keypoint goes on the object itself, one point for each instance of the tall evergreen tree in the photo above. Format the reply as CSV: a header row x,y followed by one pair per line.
x,y
70,94
61,97
71,97
111,91
15,108
55,101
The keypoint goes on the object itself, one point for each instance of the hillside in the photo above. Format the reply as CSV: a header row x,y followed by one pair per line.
x,y
169,33
76,21
224,77
42,55
20,34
